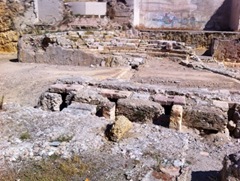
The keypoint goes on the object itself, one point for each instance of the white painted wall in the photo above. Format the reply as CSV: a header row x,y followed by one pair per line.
x,y
176,14
49,11
88,8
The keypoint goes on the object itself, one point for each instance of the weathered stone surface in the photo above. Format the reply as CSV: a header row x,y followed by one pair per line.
x,y
169,173
80,109
205,118
8,34
50,101
231,167
61,50
109,110
138,110
226,51
169,100
85,107
65,88
176,117
221,104
119,128
115,94
141,96
90,96
234,120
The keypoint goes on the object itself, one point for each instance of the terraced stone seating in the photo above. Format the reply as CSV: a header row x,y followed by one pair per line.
x,y
99,48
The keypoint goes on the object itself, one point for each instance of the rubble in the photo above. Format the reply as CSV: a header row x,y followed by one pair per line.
x,y
231,167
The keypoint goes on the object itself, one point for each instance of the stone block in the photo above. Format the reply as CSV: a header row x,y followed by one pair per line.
x,y
226,51
142,96
179,100
231,167
162,99
109,110
80,109
115,94
137,110
119,128
76,112
50,101
90,96
176,117
92,109
221,104
205,118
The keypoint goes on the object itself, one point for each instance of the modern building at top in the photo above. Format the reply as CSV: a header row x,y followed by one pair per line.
x,y
214,15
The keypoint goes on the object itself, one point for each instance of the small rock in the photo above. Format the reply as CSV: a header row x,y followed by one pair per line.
x,y
119,128
55,143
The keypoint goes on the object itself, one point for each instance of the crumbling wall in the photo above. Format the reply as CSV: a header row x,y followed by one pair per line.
x,y
8,35
15,18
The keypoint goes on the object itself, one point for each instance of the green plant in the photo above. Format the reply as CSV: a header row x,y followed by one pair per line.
x,y
64,138
139,115
50,169
25,136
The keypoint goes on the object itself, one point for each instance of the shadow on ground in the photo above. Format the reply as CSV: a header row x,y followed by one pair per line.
x,y
14,60
206,176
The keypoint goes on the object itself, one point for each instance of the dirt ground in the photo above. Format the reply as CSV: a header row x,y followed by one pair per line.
x,y
23,83
169,73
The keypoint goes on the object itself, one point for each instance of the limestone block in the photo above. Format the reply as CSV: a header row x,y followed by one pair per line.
x,y
205,118
50,101
221,104
142,96
90,96
80,109
64,88
162,99
115,94
138,110
119,128
176,117
108,110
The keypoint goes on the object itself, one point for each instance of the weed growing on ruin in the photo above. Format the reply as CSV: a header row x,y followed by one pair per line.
x,y
54,168
64,138
25,136
139,115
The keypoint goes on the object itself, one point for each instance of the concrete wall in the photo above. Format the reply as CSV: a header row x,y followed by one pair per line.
x,y
186,14
88,8
49,11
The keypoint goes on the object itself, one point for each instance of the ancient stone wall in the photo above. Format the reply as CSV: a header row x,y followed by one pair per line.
x,y
8,35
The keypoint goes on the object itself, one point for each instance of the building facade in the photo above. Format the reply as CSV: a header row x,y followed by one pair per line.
x,y
219,15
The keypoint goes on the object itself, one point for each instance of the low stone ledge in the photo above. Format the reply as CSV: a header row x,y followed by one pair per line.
x,y
115,94
205,118
139,111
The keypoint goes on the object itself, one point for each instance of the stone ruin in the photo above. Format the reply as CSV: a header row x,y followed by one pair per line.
x,y
231,167
143,103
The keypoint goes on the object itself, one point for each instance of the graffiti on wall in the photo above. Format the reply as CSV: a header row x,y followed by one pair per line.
x,y
172,14
171,20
